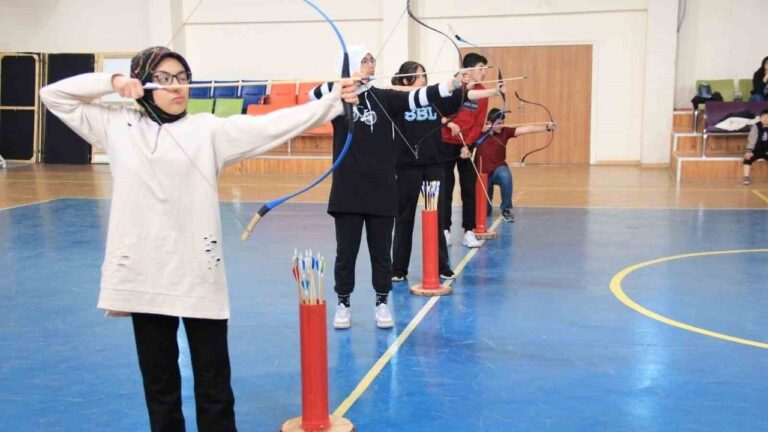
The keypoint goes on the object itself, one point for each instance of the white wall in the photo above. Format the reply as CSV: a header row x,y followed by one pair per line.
x,y
659,89
719,39
286,39
226,39
77,26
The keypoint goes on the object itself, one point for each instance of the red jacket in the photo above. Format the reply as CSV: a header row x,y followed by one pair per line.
x,y
492,153
470,118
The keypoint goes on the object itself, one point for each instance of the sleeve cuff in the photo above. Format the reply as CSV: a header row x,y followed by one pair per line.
x,y
444,92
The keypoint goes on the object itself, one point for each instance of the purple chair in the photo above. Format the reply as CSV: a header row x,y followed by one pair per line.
x,y
719,111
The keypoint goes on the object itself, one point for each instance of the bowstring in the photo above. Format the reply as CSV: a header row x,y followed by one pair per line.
x,y
156,118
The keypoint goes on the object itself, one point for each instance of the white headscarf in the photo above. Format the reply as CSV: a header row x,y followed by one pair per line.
x,y
356,55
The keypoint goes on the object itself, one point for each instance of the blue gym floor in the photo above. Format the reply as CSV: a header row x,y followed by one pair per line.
x,y
532,338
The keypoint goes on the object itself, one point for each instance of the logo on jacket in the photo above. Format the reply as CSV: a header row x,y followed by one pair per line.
x,y
421,114
360,112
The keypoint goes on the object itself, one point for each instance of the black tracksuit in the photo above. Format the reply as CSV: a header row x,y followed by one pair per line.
x,y
757,143
364,189
420,158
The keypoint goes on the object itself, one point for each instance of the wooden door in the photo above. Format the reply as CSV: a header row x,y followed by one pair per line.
x,y
560,78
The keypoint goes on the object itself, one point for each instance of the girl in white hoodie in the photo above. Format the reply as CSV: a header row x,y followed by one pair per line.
x,y
164,257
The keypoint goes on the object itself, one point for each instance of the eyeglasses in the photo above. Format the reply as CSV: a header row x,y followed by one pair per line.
x,y
164,78
368,60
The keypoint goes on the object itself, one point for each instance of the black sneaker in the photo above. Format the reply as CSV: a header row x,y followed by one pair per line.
x,y
399,278
507,215
447,275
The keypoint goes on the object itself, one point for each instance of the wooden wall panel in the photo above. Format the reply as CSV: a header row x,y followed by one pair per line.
x,y
682,121
560,78
716,145
281,166
713,169
726,145
689,145
281,150
314,145
709,170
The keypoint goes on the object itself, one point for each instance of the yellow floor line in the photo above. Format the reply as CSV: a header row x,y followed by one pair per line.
x,y
392,350
618,291
762,197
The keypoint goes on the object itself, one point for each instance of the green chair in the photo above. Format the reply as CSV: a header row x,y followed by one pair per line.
x,y
724,87
228,107
745,88
197,106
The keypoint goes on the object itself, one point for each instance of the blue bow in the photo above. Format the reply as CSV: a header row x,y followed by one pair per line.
x,y
350,127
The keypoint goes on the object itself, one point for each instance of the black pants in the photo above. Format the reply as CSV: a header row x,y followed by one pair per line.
x,y
755,157
158,359
698,100
409,181
349,231
467,179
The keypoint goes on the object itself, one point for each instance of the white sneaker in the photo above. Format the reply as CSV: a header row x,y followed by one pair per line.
x,y
447,237
470,240
342,319
384,316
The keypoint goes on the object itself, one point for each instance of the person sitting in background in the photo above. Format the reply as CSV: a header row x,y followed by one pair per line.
x,y
759,80
757,145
